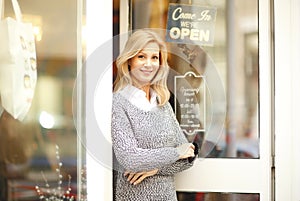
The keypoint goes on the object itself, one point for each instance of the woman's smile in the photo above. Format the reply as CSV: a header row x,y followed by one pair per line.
x,y
146,71
145,64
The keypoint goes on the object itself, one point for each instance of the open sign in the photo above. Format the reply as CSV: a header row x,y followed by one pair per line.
x,y
191,24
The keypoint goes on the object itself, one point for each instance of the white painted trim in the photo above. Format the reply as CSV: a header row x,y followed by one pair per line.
x,y
295,49
225,175
124,22
99,28
287,73
80,101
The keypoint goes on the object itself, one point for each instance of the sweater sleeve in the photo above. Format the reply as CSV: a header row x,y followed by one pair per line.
x,y
127,152
179,165
175,167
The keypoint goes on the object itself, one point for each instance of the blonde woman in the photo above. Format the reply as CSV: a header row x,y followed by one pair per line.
x,y
148,143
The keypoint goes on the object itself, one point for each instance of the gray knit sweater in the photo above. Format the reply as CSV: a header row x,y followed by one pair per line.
x,y
143,141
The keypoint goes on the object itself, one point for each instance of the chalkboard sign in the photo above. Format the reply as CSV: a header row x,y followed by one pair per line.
x,y
190,102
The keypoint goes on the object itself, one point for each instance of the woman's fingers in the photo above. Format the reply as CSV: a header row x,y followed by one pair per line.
x,y
140,179
136,178
186,150
182,149
130,176
189,153
126,173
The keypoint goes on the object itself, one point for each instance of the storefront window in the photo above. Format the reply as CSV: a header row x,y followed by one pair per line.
x,y
38,155
231,94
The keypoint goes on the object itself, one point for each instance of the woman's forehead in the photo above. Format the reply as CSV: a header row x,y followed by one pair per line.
x,y
151,47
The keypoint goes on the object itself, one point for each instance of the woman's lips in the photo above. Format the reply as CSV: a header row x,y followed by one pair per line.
x,y
146,71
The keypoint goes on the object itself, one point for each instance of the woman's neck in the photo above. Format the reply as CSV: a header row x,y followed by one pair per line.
x,y
146,89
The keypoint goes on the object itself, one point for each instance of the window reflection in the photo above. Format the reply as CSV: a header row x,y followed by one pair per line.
x,y
235,55
206,196
41,151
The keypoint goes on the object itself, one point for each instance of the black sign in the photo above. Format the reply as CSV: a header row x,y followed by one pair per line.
x,y
191,24
190,102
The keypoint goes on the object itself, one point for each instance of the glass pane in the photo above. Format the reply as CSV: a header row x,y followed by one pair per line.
x,y
233,56
39,154
206,196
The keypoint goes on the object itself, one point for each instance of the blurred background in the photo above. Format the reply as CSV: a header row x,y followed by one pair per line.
x,y
43,148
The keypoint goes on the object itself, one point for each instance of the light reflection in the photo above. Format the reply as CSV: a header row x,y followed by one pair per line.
x,y
37,22
37,31
46,120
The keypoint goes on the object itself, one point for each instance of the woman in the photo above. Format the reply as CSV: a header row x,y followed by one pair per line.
x,y
147,141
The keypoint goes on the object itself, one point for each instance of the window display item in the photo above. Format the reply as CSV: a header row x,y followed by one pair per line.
x,y
18,73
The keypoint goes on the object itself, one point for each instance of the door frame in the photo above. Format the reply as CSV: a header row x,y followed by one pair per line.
x,y
287,152
287,99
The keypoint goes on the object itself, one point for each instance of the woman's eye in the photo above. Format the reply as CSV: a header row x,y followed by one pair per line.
x,y
155,57
140,56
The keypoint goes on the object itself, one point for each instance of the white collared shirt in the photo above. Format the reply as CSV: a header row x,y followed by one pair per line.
x,y
138,97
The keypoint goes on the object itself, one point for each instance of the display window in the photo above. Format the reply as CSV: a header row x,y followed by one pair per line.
x,y
39,151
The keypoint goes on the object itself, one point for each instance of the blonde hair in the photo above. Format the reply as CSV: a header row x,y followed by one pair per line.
x,y
137,41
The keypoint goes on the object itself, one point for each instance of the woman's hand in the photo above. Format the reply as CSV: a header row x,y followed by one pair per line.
x,y
186,150
136,178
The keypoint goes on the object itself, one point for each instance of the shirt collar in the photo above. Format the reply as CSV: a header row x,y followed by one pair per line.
x,y
133,93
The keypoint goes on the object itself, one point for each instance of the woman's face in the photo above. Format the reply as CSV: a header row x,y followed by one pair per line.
x,y
145,64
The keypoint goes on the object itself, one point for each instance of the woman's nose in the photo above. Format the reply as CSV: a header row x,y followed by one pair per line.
x,y
148,62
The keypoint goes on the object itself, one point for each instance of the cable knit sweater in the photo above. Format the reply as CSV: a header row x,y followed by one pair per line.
x,y
143,141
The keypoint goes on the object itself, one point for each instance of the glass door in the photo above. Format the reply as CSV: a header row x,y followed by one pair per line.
x,y
40,155
233,69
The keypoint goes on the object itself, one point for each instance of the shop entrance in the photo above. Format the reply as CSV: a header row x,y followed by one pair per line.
x,y
243,56
235,160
